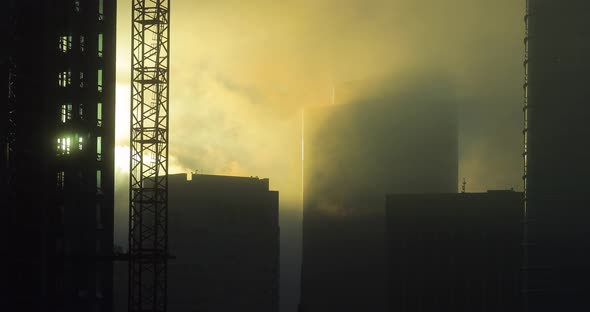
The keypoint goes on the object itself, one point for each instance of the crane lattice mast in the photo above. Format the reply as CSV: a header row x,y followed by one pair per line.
x,y
148,193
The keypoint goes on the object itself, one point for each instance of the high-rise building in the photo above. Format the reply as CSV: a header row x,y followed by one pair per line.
x,y
224,234
58,63
355,153
556,155
454,252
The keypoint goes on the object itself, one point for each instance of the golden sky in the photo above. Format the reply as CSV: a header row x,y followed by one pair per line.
x,y
241,71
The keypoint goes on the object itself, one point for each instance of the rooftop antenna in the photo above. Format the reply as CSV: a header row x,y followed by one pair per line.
x,y
463,186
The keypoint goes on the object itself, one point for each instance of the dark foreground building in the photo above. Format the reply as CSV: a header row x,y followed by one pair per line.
x,y
57,117
557,128
455,252
355,153
224,232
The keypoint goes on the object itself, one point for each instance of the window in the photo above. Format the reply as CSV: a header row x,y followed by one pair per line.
x,y
65,79
99,114
98,179
81,80
100,80
63,146
81,111
76,5
99,216
60,180
66,112
100,10
100,45
65,43
80,143
99,148
82,45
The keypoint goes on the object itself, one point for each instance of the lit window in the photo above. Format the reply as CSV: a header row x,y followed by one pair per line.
x,y
82,44
65,43
63,146
99,114
100,45
66,112
100,80
65,79
77,5
60,180
98,148
80,143
100,10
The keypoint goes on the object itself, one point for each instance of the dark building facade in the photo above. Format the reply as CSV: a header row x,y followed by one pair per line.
x,y
58,122
355,153
556,155
455,252
224,233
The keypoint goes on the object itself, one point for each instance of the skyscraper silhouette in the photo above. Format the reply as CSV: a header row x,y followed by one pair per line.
x,y
355,153
556,155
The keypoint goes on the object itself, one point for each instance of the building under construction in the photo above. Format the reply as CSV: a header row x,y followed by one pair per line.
x,y
556,156
57,160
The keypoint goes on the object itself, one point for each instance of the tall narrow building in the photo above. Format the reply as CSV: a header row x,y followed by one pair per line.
x,y
557,154
58,154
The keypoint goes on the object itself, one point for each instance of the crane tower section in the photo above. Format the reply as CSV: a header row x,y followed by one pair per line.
x,y
148,193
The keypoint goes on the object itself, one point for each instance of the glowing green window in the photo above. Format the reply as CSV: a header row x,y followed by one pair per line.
x,y
63,146
80,143
100,10
98,148
100,80
99,114
100,45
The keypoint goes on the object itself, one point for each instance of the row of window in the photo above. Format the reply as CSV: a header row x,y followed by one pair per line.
x,y
65,44
64,146
61,179
100,8
66,113
65,79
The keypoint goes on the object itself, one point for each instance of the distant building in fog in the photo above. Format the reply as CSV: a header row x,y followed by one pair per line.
x,y
455,252
557,155
224,233
57,136
355,153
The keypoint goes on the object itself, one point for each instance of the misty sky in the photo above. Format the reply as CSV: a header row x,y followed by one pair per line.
x,y
241,72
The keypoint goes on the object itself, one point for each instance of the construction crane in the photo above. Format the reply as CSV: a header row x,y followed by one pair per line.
x,y
148,191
